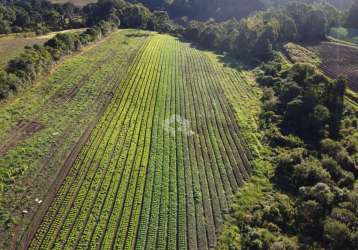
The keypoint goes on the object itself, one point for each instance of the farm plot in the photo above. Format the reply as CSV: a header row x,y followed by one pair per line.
x,y
41,124
338,59
163,163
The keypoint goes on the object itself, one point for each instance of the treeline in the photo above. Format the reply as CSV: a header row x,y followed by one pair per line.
x,y
205,9
260,34
38,16
130,15
35,61
103,17
314,142
352,17
42,16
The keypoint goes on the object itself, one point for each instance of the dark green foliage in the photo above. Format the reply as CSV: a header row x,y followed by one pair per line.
x,y
256,37
314,145
261,227
36,60
311,105
205,9
128,15
39,16
103,17
314,26
352,19
136,16
160,21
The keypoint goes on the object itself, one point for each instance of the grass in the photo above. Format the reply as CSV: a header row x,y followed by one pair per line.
x,y
29,167
161,167
299,54
346,35
13,45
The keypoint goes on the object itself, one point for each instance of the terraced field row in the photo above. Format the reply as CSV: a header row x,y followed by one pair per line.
x,y
162,165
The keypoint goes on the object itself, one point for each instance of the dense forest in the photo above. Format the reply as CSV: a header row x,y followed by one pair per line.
x,y
313,138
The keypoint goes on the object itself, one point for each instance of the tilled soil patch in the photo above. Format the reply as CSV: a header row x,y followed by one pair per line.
x,y
23,130
338,60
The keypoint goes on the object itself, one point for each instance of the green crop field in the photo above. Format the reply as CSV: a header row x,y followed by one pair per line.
x,y
161,166
40,125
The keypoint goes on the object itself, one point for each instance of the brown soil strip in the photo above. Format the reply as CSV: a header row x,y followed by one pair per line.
x,y
61,97
23,130
40,213
339,60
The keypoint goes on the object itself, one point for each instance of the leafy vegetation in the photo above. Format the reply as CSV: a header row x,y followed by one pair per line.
x,y
64,103
257,36
352,19
38,16
204,9
299,54
12,45
179,135
35,61
312,135
161,166
349,35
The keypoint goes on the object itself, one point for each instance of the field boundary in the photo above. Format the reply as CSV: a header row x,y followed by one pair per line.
x,y
39,214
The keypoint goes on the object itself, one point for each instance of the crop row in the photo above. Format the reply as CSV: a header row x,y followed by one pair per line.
x,y
79,171
162,165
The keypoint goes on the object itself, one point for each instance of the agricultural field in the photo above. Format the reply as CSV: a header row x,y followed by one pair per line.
x,y
42,125
299,54
13,45
338,59
161,167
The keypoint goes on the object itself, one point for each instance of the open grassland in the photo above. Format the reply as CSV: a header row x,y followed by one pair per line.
x,y
13,45
40,126
163,163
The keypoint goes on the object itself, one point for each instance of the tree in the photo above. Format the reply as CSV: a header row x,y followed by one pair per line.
x,y
333,15
309,173
4,27
314,25
22,18
211,36
288,28
352,19
136,16
160,21
337,234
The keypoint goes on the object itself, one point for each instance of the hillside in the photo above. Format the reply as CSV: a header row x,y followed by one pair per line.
x,y
164,162
172,125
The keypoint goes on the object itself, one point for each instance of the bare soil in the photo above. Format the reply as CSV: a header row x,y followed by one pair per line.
x,y
338,59
23,130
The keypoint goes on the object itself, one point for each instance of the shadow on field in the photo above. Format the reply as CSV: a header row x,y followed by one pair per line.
x,y
224,58
138,35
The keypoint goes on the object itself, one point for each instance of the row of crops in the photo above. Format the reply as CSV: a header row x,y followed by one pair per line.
x,y
162,165
62,103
